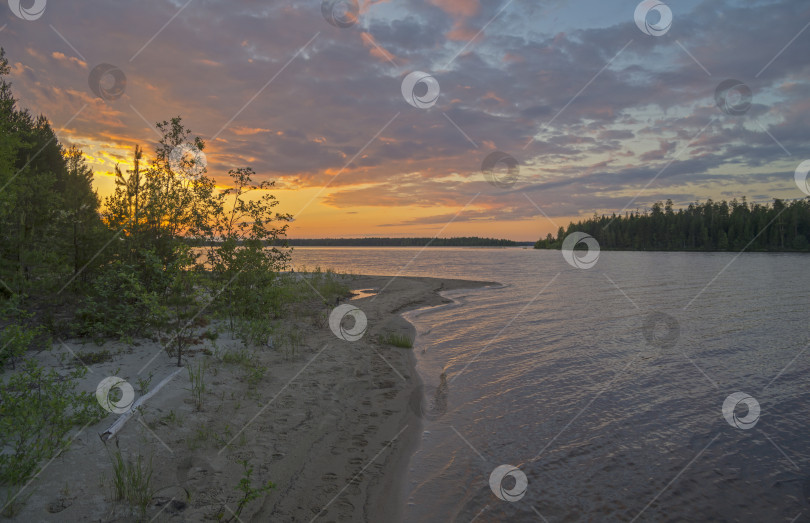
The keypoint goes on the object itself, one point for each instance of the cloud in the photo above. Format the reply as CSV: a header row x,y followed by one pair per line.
x,y
70,60
376,50
537,75
248,131
458,8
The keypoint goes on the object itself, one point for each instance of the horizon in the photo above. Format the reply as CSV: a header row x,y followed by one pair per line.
x,y
589,113
641,211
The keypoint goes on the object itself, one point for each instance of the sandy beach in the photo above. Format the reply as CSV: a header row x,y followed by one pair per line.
x,y
329,425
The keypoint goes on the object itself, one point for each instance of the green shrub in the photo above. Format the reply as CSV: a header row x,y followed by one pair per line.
x,y
143,383
37,410
328,284
248,492
259,296
15,340
119,305
254,376
242,357
255,332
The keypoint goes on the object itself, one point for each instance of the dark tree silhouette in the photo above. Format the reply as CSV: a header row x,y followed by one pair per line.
x,y
709,226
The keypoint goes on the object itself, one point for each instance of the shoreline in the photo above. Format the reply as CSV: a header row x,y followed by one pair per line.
x,y
330,425
387,500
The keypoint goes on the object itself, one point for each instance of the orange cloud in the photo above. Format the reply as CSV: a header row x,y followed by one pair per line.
x,y
69,59
248,131
514,58
368,4
461,32
19,69
460,8
492,96
211,63
33,52
376,50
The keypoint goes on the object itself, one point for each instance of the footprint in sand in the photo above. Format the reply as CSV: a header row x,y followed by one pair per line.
x,y
241,455
192,468
329,476
345,509
59,505
358,440
327,489
356,479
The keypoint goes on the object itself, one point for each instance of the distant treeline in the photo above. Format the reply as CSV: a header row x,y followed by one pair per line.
x,y
405,242
709,226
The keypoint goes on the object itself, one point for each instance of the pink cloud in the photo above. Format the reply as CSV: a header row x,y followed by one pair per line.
x,y
458,8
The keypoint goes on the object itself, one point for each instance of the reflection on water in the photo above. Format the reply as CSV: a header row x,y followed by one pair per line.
x,y
606,386
359,294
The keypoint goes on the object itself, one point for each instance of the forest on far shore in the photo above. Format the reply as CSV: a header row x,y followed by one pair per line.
x,y
782,226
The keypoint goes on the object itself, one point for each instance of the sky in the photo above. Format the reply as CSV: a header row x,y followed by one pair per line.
x,y
581,109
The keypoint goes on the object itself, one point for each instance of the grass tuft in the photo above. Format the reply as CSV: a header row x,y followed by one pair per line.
x,y
132,480
196,375
397,340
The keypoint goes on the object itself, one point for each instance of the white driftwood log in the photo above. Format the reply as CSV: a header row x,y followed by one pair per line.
x,y
119,423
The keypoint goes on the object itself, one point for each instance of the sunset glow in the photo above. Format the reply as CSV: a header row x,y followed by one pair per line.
x,y
600,117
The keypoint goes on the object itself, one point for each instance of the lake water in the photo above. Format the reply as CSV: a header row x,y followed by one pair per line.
x,y
606,386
